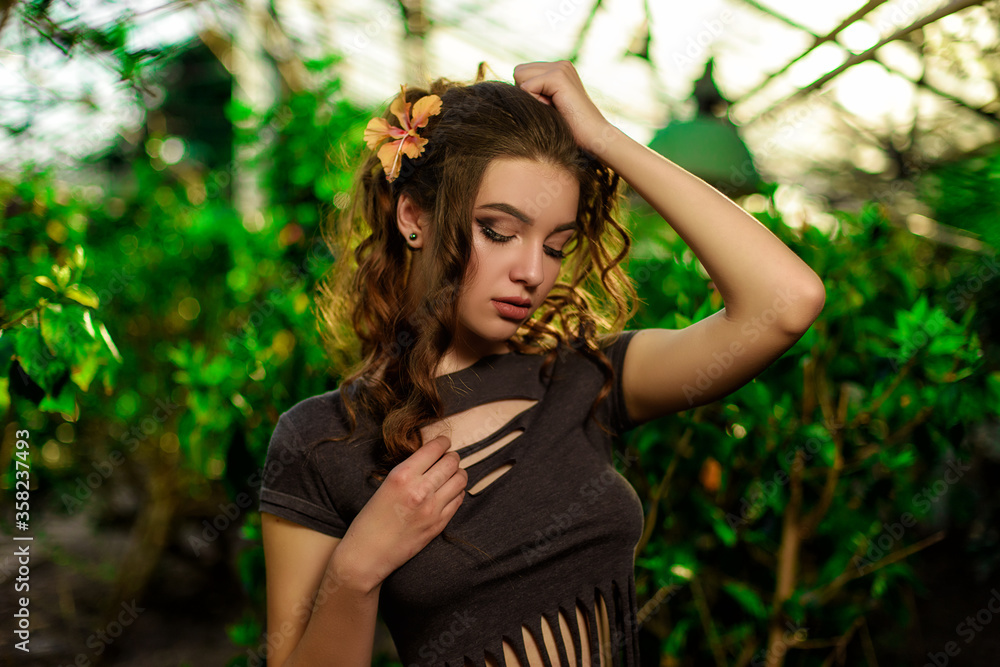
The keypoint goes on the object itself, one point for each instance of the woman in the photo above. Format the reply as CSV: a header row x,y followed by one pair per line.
x,y
486,400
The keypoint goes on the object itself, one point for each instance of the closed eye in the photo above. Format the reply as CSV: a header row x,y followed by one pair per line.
x,y
496,237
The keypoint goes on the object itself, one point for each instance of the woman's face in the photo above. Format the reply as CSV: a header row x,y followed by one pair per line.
x,y
524,217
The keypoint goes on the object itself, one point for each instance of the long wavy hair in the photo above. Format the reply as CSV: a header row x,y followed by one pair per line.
x,y
390,346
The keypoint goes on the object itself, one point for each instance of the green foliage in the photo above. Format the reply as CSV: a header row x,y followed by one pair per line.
x,y
834,444
158,292
154,310
50,334
966,194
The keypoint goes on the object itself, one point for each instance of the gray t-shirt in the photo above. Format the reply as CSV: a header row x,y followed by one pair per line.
x,y
558,528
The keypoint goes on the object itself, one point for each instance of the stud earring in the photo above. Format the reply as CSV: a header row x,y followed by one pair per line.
x,y
413,236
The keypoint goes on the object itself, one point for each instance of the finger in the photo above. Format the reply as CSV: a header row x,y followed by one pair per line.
x,y
428,453
443,469
528,70
527,87
453,490
542,87
457,484
448,511
530,73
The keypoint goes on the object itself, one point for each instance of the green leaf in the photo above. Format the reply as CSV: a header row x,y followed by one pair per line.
x,y
83,294
88,324
244,632
674,643
723,529
78,259
83,374
40,363
62,274
110,343
45,281
879,584
238,111
8,342
65,402
747,598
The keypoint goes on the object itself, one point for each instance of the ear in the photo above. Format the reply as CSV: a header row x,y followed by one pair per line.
x,y
411,220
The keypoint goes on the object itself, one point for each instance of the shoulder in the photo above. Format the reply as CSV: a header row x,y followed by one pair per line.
x,y
586,368
310,421
612,346
321,416
305,469
615,344
309,437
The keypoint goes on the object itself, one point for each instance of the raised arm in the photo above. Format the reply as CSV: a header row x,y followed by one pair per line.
x,y
771,296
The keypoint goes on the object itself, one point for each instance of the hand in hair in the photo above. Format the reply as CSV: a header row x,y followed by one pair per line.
x,y
559,85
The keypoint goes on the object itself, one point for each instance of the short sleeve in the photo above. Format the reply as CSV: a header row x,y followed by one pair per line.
x,y
619,420
293,488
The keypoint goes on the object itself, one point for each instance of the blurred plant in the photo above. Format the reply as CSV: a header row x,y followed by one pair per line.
x,y
213,322
776,510
56,340
789,507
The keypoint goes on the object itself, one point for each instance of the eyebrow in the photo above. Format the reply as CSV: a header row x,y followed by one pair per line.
x,y
504,207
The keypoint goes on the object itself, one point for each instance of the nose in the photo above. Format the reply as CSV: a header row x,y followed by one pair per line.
x,y
528,267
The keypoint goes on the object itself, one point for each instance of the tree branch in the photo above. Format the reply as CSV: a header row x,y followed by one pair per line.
x,y
822,595
947,10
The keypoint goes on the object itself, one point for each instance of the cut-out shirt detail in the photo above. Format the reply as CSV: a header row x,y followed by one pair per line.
x,y
555,531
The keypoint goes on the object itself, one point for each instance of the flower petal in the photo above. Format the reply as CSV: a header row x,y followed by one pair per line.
x,y
391,159
401,108
425,107
413,146
376,131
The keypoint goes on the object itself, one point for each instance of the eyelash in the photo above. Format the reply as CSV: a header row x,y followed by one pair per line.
x,y
496,237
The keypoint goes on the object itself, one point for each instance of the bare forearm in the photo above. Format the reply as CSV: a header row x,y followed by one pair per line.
x,y
749,265
341,630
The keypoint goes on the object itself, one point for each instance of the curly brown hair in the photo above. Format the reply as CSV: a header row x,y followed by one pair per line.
x,y
362,308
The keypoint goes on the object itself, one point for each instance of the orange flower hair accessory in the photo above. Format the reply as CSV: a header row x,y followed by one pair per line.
x,y
407,141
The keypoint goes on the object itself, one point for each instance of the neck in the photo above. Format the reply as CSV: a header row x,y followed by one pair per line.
x,y
459,356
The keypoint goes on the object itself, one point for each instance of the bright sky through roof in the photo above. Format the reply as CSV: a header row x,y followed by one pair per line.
x,y
746,43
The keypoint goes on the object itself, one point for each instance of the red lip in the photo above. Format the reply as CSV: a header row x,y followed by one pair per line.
x,y
515,300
